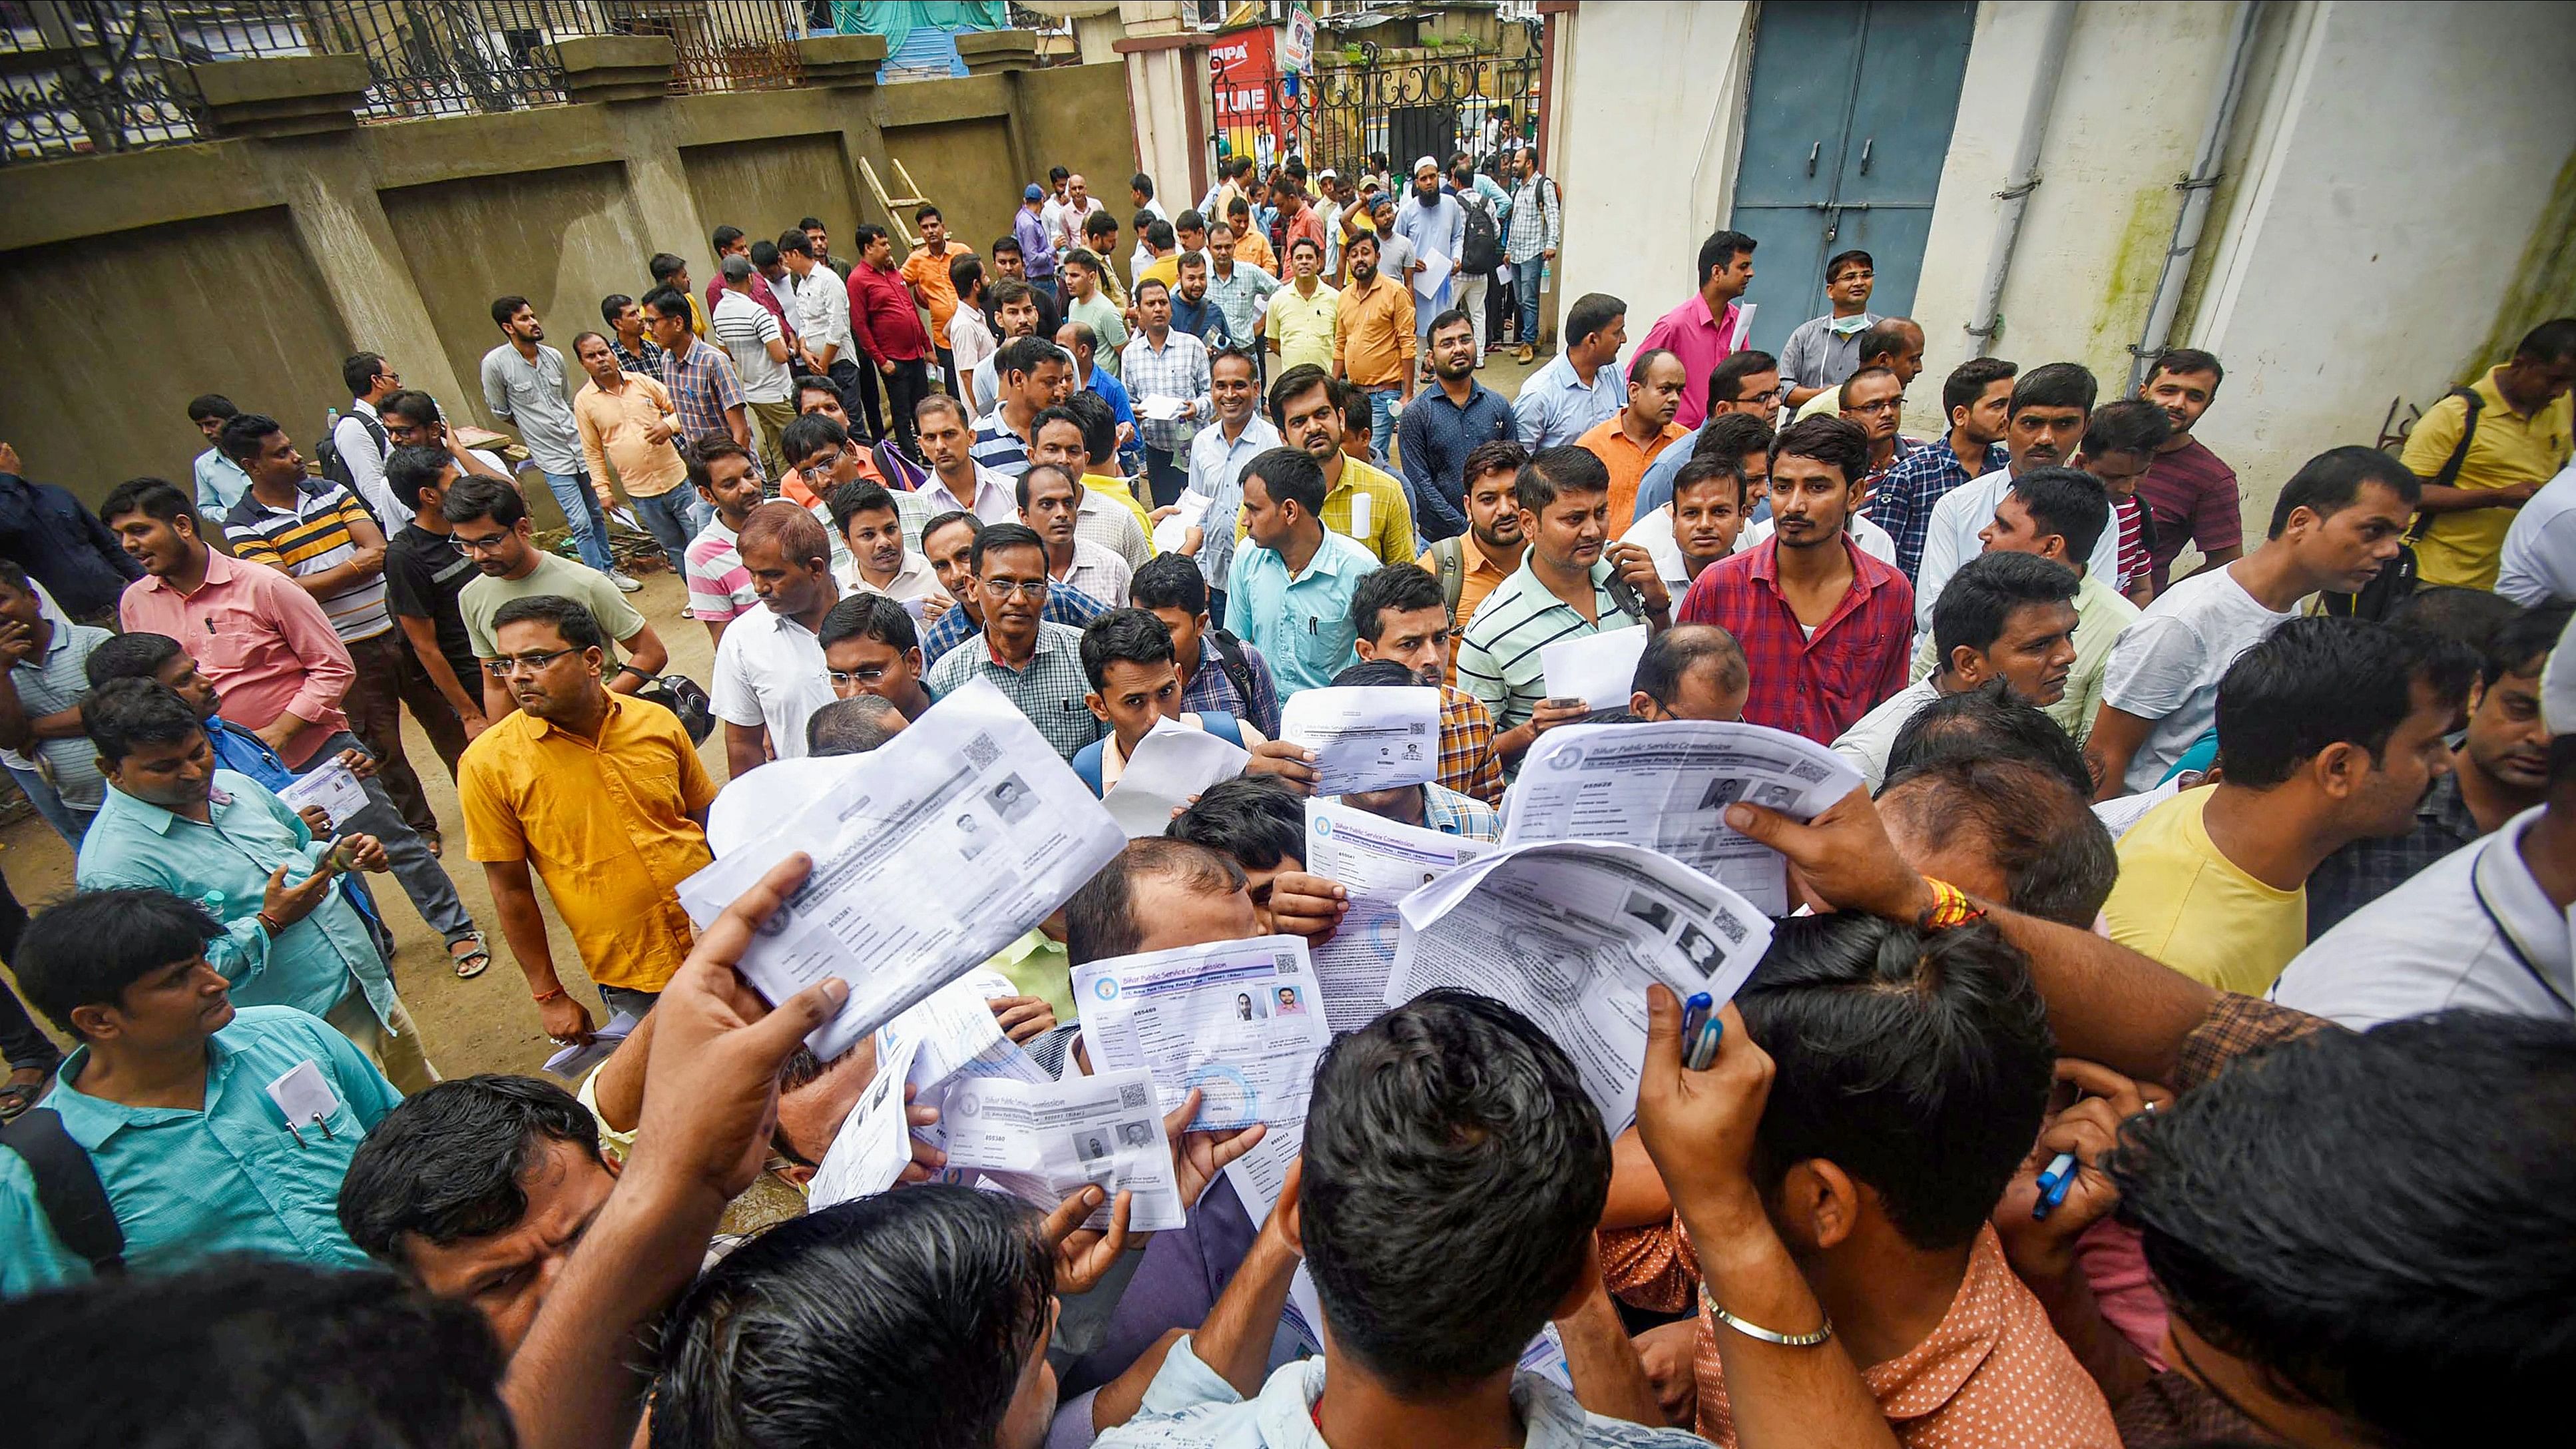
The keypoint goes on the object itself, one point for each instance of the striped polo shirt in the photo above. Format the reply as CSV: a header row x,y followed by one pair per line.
x,y
308,538
1498,652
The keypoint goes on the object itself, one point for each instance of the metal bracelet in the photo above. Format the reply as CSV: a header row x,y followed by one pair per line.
x,y
1755,1330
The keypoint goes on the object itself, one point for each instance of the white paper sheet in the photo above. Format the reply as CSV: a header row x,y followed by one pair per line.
x,y
1379,862
339,793
1599,669
1435,270
580,1057
951,1032
1043,1142
978,803
1240,1021
1161,409
1666,786
874,1143
1570,934
1372,738
1174,530
752,805
1172,763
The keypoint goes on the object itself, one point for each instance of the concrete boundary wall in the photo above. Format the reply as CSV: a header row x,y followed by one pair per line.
x,y
251,265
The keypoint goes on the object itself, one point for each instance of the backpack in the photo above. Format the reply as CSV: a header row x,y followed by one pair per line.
x,y
1482,251
1451,558
336,468
68,1190
1230,661
1086,761
2395,583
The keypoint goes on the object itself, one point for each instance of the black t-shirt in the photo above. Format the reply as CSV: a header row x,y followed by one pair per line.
x,y
424,572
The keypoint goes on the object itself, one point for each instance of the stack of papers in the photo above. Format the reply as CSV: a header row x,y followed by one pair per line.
x,y
1666,786
932,854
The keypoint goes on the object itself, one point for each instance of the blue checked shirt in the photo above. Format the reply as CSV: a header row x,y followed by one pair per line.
x,y
1216,473
1240,297
1433,438
1903,503
1049,690
1067,606
1210,691
1451,813
1178,368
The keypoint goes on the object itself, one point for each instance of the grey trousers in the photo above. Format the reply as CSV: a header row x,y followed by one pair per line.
x,y
421,876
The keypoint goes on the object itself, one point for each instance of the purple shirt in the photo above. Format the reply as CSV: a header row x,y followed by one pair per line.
x,y
1037,249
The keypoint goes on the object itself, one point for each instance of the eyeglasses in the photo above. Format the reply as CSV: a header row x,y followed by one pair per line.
x,y
1888,405
471,546
507,665
858,678
1005,588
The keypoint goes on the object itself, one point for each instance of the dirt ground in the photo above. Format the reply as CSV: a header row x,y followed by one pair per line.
x,y
487,1024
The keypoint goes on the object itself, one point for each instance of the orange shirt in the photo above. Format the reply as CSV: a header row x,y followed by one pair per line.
x,y
1992,1374
1373,333
938,293
1627,463
1253,247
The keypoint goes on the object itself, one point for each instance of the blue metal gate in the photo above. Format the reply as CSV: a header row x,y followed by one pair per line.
x,y
1845,128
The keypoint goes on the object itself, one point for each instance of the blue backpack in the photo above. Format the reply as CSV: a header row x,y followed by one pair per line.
x,y
1086,761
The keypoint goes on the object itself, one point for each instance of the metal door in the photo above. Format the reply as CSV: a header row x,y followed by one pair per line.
x,y
1845,127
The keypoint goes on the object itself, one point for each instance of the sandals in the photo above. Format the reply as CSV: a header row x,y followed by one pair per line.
x,y
17,1097
473,963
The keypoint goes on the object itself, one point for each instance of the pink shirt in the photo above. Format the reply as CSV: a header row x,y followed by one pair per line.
x,y
260,640
1701,344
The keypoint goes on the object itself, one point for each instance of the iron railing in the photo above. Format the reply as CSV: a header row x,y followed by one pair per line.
x,y
1349,109
81,76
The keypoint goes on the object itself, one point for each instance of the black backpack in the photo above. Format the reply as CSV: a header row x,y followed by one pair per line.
x,y
68,1190
1483,249
2395,583
336,468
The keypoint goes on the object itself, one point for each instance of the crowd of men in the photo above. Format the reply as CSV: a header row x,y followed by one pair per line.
x,y
2174,1044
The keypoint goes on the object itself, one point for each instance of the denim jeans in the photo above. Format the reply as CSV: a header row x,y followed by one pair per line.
x,y
627,999
1525,278
1045,284
1381,418
68,823
581,510
673,519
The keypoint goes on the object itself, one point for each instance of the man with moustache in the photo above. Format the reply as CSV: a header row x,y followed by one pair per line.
x,y
2007,616
1473,564
1441,427
2043,425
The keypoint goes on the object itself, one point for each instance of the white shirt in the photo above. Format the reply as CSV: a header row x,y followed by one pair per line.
x,y
1951,539
2473,929
1654,534
367,465
996,500
1867,743
984,381
1097,572
2167,665
2539,560
770,671
970,339
746,329
822,303
914,579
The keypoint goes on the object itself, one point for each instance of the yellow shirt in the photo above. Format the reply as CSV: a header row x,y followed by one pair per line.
x,y
2463,548
2182,902
1123,491
1253,247
1609,442
1388,531
607,824
1165,269
2100,615
938,292
1373,332
1302,328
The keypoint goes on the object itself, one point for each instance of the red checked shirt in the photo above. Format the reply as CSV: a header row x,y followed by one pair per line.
x,y
1815,686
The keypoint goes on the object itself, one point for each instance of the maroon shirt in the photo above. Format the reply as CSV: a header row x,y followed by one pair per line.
x,y
2190,496
883,317
1816,687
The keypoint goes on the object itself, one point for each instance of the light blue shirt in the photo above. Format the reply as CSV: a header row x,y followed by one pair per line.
x,y
220,484
229,1178
224,865
1216,474
1554,407
1302,625
1190,1406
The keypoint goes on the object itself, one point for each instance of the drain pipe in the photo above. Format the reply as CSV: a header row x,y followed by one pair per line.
x,y
2025,174
2196,191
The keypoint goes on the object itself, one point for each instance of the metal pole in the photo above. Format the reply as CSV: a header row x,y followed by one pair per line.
x,y
2196,190
2025,174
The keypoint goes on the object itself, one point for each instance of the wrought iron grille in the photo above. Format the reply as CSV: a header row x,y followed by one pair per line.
x,y
1345,111
79,76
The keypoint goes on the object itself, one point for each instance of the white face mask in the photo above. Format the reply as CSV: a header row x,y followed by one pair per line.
x,y
1846,326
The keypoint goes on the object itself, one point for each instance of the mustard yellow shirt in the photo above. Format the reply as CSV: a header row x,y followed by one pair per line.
x,y
2186,904
2464,548
1387,531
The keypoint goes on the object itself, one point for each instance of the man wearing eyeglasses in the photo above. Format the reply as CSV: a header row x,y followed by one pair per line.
x,y
1873,400
602,794
1037,663
871,647
489,522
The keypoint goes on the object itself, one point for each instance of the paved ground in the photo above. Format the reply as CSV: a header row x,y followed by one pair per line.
x,y
487,1024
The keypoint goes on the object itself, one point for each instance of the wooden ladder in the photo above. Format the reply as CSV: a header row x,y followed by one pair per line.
x,y
896,208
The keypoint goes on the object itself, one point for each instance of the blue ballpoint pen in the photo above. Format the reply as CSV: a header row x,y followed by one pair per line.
x,y
2054,1183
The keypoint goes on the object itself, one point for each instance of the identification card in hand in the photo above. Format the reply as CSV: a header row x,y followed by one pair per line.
x,y
340,793
305,1098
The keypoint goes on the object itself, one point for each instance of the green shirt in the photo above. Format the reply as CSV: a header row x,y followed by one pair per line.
x,y
1103,317
228,1178
580,583
1038,965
